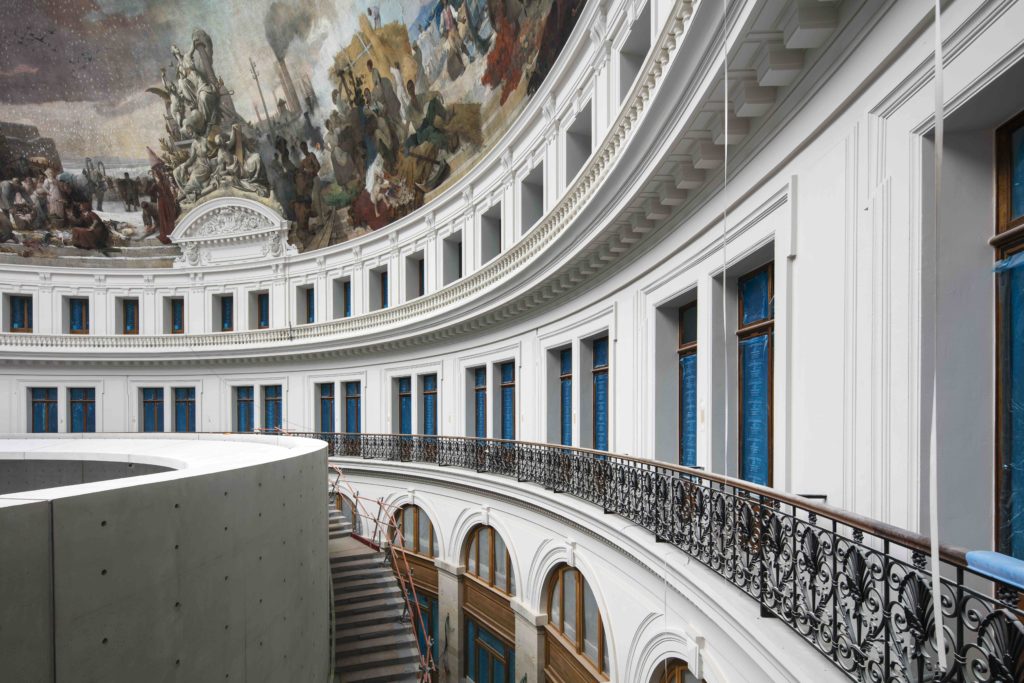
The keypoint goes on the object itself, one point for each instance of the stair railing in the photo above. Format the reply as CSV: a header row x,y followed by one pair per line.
x,y
386,536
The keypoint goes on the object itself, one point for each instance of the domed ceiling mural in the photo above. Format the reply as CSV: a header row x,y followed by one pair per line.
x,y
118,116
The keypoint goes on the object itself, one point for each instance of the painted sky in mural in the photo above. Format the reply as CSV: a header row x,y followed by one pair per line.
x,y
345,115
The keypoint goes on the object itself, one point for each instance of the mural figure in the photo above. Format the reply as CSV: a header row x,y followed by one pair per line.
x,y
360,112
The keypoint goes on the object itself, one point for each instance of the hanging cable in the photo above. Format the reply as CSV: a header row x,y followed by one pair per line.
x,y
933,457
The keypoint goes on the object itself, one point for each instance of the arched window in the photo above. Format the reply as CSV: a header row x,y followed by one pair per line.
x,y
673,671
416,531
575,624
487,559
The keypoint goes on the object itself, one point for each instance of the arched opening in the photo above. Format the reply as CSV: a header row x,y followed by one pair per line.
x,y
415,539
673,670
576,648
489,583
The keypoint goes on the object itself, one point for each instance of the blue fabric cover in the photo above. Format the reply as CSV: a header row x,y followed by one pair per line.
x,y
754,293
688,410
130,310
601,411
566,408
405,405
508,401
1017,178
44,410
184,409
508,372
83,410
272,407
1010,280
755,364
998,566
601,352
243,409
79,315
327,407
430,405
352,405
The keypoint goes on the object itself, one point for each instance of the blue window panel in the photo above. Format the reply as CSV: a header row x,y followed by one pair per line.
x,y
244,409
488,658
429,613
310,305
566,390
327,407
601,411
757,304
565,361
1010,280
130,315
352,407
430,404
79,309
44,410
184,409
508,372
227,313
152,410
508,418
480,409
177,316
688,410
601,352
480,377
384,290
83,409
405,405
346,299
755,366
272,407
21,313
263,310
1017,177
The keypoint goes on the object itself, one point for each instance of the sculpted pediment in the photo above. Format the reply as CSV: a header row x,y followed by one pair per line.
x,y
231,230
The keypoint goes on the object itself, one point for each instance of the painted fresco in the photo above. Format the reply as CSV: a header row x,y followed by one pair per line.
x,y
119,116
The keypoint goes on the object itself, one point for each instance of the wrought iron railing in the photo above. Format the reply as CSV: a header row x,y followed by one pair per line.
x,y
857,590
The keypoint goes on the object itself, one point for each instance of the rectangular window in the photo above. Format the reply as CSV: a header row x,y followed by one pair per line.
x,y
565,395
129,316
44,409
310,305
177,316
353,407
480,402
405,405
227,313
82,409
688,385
244,409
600,435
346,299
184,409
429,612
429,404
508,400
384,289
421,277
21,314
1009,274
152,409
263,310
272,407
755,333
78,309
325,395
488,657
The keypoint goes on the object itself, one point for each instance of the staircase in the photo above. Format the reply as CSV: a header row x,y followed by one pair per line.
x,y
373,642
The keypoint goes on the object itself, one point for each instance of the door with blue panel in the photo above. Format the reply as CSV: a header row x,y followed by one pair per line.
x,y
405,405
184,409
21,313
272,407
565,396
82,409
508,400
244,407
429,405
152,409
429,612
489,659
600,349
44,409
353,400
78,309
480,402
326,406
755,333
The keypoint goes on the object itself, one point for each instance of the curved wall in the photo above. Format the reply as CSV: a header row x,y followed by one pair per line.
x,y
216,570
31,474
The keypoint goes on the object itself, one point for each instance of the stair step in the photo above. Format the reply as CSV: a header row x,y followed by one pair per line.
x,y
398,673
379,605
365,594
387,643
367,631
344,584
378,658
352,622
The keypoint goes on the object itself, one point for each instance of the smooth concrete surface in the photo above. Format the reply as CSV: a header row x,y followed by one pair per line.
x,y
216,571
30,474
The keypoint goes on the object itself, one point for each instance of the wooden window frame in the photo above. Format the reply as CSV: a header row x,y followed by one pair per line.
x,y
754,329
84,402
557,581
260,297
320,398
50,408
173,302
148,402
423,408
399,522
268,400
1008,241
221,299
26,301
474,535
239,400
85,315
358,398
